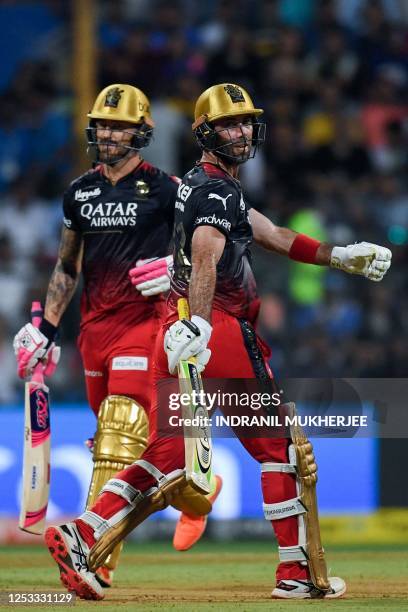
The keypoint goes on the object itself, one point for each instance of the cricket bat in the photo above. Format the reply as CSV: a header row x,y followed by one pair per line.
x,y
197,438
36,462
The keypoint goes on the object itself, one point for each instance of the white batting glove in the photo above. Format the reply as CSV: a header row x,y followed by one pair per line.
x,y
185,339
30,347
364,258
152,276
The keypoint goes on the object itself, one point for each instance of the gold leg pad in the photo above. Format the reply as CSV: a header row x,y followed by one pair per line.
x,y
159,500
307,475
192,502
120,439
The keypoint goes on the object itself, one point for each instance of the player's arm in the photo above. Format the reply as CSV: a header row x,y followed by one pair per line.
x,y
185,339
364,258
281,239
206,249
31,344
64,278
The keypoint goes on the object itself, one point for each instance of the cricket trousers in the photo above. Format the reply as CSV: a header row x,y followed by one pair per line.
x,y
117,354
237,352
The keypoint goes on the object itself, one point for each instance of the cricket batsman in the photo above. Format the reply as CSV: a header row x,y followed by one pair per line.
x,y
118,213
214,228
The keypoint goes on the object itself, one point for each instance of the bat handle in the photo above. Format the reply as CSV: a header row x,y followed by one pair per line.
x,y
183,308
36,313
36,317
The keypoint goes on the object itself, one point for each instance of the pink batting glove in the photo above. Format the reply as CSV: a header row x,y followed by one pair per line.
x,y
152,276
30,347
51,360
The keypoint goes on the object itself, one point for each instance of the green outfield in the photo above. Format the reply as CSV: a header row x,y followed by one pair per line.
x,y
224,577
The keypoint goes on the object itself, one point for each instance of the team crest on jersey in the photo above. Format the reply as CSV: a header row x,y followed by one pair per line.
x,y
84,196
234,93
142,188
113,97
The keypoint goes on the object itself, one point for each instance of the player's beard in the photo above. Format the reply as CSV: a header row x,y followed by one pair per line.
x,y
239,150
111,152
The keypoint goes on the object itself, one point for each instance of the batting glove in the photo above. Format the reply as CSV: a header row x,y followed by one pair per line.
x,y
185,339
152,276
364,258
31,346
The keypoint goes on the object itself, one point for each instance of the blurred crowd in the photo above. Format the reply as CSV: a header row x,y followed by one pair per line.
x,y
332,76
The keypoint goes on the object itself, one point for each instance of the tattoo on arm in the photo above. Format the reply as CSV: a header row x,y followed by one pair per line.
x,y
64,279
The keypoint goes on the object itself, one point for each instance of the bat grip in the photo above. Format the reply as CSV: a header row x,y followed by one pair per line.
x,y
36,313
183,308
36,317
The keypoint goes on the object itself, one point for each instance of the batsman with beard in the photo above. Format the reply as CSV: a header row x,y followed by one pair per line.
x,y
214,228
116,214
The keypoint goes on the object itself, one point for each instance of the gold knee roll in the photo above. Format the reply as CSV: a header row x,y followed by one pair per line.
x,y
120,439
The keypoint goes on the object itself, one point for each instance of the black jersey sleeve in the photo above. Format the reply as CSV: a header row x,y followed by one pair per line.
x,y
168,192
69,216
216,204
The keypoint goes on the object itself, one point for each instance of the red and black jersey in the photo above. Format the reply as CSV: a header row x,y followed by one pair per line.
x,y
209,196
119,224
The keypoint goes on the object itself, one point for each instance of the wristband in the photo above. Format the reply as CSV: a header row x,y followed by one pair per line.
x,y
304,249
48,329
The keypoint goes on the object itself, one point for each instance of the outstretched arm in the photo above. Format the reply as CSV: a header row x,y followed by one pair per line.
x,y
281,240
363,258
64,278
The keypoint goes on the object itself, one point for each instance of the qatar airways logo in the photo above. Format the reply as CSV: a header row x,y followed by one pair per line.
x,y
110,214
213,220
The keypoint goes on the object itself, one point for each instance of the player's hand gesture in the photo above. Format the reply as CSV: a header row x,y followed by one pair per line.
x,y
364,258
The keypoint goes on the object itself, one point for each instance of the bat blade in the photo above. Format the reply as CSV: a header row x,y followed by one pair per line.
x,y
36,462
197,437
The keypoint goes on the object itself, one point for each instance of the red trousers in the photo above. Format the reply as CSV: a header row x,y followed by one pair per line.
x,y
117,354
235,354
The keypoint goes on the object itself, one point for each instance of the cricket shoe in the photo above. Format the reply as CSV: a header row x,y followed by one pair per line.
x,y
304,589
70,552
190,528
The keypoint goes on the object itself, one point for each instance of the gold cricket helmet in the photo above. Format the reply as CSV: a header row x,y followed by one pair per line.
x,y
124,103
224,100
220,102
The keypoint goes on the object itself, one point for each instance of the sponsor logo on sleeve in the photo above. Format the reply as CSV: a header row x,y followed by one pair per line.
x,y
67,223
130,363
184,192
213,220
215,196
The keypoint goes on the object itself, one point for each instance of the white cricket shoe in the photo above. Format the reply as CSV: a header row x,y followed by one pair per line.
x,y
70,552
303,589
